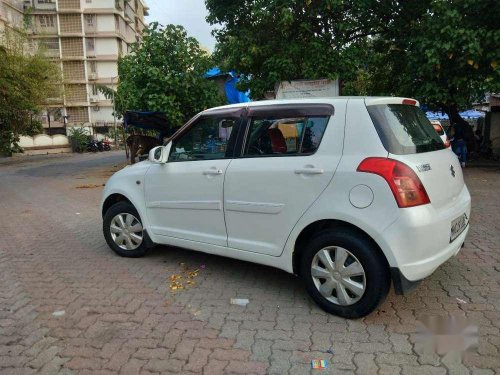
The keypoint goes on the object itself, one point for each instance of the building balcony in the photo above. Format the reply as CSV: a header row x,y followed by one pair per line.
x,y
51,53
69,5
43,6
43,31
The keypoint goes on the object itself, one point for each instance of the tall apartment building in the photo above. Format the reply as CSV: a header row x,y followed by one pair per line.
x,y
85,38
11,14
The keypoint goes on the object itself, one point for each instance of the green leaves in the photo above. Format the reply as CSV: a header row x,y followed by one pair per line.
x,y
421,49
165,73
27,78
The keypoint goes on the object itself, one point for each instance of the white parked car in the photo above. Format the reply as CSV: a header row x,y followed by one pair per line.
x,y
352,194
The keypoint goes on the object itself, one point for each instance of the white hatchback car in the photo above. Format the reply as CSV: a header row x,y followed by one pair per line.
x,y
349,193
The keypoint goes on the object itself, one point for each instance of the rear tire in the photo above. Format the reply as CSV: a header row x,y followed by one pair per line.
x,y
123,230
350,271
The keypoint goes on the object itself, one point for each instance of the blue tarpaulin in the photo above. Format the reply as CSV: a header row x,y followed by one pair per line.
x,y
469,114
233,96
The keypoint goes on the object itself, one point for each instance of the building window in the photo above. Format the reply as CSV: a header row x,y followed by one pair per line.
x,y
90,20
95,91
93,67
47,20
70,23
51,44
74,70
90,44
46,1
77,115
72,46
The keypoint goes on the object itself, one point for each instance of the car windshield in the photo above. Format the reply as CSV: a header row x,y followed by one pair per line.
x,y
404,129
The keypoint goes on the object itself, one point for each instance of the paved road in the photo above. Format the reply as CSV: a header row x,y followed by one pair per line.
x,y
69,305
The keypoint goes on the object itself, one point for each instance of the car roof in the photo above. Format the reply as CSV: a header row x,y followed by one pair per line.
x,y
368,100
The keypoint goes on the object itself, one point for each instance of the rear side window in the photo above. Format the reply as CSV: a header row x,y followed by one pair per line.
x,y
404,129
284,136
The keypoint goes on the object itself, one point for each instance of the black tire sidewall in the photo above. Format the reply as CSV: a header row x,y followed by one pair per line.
x,y
376,271
120,208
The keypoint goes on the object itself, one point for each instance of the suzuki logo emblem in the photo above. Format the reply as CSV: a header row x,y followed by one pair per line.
x,y
452,170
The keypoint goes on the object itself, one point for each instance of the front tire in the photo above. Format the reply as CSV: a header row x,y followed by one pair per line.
x,y
123,230
344,273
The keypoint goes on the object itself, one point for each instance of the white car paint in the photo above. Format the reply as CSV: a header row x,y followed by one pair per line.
x,y
254,209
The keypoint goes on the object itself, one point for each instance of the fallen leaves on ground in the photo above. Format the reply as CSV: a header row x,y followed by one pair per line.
x,y
89,186
183,280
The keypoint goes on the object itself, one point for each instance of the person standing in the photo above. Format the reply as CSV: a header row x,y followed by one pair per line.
x,y
458,142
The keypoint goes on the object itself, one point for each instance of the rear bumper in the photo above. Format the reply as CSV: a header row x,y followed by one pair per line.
x,y
419,240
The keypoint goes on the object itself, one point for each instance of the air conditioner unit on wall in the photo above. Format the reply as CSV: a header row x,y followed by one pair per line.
x,y
92,76
94,99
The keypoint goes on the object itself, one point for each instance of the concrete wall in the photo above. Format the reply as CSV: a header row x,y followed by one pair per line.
x,y
107,69
105,23
99,4
106,46
104,114
44,140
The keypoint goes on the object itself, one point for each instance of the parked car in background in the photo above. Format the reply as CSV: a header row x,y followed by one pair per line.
x,y
442,133
351,194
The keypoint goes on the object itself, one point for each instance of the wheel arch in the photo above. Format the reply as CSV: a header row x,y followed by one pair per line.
x,y
111,200
315,227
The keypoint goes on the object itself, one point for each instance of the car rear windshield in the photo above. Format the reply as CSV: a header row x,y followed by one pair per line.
x,y
404,129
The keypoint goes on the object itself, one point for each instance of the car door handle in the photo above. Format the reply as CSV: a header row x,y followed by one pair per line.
x,y
310,171
212,172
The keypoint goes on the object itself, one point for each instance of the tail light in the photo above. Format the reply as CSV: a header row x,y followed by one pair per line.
x,y
403,181
447,143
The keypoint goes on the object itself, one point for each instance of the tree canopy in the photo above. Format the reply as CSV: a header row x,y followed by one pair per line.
x,y
26,79
165,73
442,52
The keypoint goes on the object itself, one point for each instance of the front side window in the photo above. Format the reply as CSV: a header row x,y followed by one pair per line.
x,y
284,136
208,139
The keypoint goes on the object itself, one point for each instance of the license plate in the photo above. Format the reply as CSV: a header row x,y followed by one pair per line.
x,y
457,226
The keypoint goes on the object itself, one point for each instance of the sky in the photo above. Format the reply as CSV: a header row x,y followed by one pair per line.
x,y
188,13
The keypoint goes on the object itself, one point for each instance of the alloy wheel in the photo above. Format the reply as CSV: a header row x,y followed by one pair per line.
x,y
338,275
126,231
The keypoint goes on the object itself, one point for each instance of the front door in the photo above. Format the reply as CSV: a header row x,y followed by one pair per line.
x,y
184,196
281,171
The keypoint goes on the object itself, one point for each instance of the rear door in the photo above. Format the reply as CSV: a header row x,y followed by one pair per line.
x,y
289,156
410,138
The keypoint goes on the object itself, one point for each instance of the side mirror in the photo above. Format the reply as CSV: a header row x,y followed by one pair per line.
x,y
159,154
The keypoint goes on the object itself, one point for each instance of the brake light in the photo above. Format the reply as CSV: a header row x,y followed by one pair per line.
x,y
437,128
409,101
403,181
447,143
